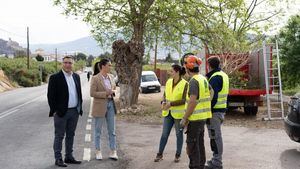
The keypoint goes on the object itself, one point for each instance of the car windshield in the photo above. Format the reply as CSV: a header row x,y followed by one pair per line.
x,y
148,78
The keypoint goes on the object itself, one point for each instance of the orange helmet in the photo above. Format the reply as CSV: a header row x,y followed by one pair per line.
x,y
192,61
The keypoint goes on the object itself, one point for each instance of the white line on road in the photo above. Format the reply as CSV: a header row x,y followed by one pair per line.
x,y
89,120
87,137
9,110
8,113
87,154
88,127
91,105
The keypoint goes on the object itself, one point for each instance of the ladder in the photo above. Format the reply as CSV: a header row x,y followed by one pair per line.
x,y
275,109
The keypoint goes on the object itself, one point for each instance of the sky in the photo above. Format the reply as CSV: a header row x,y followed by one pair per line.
x,y
47,24
45,21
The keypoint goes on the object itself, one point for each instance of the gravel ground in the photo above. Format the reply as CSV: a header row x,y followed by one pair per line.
x,y
152,115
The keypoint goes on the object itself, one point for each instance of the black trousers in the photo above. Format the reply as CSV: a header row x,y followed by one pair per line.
x,y
195,144
65,125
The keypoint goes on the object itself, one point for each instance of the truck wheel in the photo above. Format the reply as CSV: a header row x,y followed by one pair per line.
x,y
251,110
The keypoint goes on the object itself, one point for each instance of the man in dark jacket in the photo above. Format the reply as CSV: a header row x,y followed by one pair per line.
x,y
219,81
65,101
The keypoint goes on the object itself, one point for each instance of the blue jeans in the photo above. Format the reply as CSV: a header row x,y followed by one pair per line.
x,y
169,121
110,121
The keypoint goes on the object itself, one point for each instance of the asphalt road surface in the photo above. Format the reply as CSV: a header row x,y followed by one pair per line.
x,y
26,132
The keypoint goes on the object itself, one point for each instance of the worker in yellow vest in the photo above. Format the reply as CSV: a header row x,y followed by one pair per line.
x,y
219,81
198,110
173,106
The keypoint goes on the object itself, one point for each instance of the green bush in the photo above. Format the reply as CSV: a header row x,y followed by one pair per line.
x,y
27,78
17,72
292,91
79,65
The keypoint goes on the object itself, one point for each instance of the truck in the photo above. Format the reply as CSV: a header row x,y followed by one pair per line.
x,y
250,96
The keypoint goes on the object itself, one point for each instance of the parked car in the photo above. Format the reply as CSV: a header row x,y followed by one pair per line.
x,y
292,120
149,82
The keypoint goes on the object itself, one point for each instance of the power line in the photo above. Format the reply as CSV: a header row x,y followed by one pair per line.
x,y
15,34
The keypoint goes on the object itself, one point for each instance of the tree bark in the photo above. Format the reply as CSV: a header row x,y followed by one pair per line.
x,y
128,58
155,52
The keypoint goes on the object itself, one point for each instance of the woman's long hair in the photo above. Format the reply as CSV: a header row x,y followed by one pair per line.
x,y
96,68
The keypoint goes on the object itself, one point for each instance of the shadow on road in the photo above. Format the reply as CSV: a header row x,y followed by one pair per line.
x,y
290,159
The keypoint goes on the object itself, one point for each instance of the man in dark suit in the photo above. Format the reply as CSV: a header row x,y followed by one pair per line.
x,y
65,101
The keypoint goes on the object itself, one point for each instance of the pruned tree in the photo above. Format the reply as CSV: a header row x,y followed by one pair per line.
x,y
118,19
215,23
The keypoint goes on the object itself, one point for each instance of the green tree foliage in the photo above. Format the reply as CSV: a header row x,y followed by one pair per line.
x,y
289,40
106,55
80,56
20,54
89,60
169,58
221,25
146,58
39,58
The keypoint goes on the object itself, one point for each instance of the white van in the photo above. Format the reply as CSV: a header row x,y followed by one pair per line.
x,y
149,82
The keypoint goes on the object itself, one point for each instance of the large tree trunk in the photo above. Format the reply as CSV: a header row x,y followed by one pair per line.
x,y
128,58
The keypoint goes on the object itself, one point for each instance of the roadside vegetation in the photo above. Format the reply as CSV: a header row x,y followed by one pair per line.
x,y
16,70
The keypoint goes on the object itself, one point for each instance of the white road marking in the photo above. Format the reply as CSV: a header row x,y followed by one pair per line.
x,y
87,154
89,120
91,105
88,127
87,137
12,109
8,113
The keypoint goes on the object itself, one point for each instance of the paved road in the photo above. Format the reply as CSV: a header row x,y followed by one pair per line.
x,y
26,132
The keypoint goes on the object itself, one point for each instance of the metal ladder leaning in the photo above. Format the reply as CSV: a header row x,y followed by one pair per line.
x,y
275,109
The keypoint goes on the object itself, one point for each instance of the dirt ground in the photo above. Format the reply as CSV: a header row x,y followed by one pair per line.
x,y
244,148
152,115
249,142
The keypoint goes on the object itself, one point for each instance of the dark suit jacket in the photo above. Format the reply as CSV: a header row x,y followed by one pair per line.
x,y
58,94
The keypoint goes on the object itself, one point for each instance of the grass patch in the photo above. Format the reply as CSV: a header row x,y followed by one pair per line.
x,y
162,66
291,92
151,113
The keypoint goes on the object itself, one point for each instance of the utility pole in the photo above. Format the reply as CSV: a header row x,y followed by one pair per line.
x,y
56,59
27,47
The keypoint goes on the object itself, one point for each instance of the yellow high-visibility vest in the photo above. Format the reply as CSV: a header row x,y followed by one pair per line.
x,y
203,108
223,94
175,94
